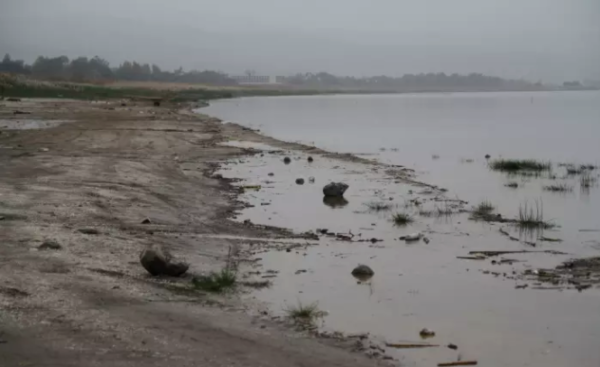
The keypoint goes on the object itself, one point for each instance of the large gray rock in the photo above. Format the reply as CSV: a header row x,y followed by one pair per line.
x,y
335,189
160,262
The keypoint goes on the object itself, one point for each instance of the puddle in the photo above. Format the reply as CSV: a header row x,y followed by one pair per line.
x,y
474,304
30,124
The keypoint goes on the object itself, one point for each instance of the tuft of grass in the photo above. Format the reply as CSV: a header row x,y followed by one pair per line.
x,y
483,209
516,165
379,206
216,282
402,219
258,284
531,217
305,313
558,188
586,180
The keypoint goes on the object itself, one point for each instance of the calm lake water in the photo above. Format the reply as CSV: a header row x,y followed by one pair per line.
x,y
444,138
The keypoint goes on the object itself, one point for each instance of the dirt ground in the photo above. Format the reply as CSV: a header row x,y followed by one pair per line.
x,y
90,303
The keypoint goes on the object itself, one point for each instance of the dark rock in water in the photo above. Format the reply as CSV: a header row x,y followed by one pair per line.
x,y
487,156
300,181
427,333
160,262
453,346
287,160
335,189
310,159
335,201
146,221
363,272
50,245
271,174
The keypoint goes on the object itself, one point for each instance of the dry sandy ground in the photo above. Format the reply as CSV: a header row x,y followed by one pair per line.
x,y
91,303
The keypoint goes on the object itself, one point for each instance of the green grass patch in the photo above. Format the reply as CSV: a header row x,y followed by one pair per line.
x,y
216,282
517,165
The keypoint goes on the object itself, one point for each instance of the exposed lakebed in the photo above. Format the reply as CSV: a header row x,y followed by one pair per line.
x,y
478,304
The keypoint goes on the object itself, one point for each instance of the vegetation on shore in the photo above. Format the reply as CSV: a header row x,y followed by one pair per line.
x,y
216,282
304,313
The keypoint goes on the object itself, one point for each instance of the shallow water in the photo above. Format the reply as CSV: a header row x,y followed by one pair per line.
x,y
424,285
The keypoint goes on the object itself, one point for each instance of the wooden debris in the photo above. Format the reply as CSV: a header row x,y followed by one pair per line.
x,y
496,253
458,363
408,345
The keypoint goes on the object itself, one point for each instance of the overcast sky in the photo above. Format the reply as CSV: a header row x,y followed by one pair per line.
x,y
551,40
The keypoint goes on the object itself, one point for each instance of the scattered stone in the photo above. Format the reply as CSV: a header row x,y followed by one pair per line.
x,y
335,189
322,230
426,240
287,160
412,237
44,150
427,333
300,181
310,159
271,174
487,156
311,179
160,262
363,270
13,99
146,221
50,245
93,231
452,346
512,185
19,112
300,271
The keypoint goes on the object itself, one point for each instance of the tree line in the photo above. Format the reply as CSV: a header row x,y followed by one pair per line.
x,y
99,69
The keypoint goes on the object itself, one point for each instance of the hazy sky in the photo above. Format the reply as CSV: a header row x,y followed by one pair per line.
x,y
552,40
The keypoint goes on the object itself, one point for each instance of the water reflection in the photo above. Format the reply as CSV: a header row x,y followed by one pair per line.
x,y
335,202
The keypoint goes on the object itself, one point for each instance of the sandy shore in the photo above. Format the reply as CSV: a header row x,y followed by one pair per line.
x,y
107,167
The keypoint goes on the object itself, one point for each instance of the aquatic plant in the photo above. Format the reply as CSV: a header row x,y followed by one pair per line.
x,y
558,188
378,206
532,217
483,210
402,219
516,165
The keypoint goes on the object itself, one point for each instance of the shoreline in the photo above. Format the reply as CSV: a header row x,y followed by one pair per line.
x,y
108,169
